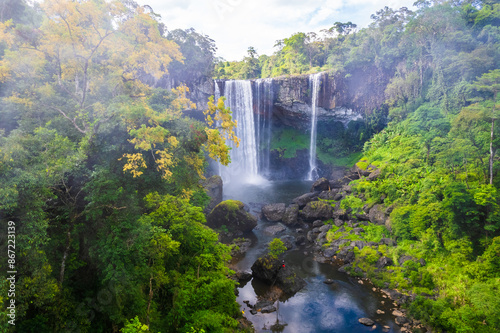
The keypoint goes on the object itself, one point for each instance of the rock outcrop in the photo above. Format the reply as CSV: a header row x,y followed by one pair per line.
x,y
274,212
271,271
232,215
213,187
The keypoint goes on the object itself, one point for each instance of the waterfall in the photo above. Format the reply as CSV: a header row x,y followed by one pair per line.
x,y
264,102
315,81
244,165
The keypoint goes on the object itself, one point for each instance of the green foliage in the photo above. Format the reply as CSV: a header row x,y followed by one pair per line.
x,y
276,247
287,141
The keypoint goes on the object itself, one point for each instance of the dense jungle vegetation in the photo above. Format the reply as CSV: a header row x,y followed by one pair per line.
x,y
437,155
100,170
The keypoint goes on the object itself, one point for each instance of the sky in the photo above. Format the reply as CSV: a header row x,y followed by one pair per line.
x,y
235,25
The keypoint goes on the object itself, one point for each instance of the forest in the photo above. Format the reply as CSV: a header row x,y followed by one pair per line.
x,y
100,168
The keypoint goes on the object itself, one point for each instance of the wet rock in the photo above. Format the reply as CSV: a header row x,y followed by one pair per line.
x,y
380,311
232,215
275,229
290,217
268,309
270,270
338,197
384,262
362,217
317,210
366,321
321,238
299,230
213,187
345,268
243,276
274,212
328,253
338,222
321,184
329,281
288,241
302,200
262,304
301,240
400,321
346,255
240,246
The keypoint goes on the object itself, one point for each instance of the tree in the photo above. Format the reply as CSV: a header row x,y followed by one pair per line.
x,y
490,82
276,247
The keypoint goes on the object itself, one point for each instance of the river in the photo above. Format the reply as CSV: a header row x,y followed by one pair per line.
x,y
319,307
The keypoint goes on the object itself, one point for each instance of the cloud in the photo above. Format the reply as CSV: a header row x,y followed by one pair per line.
x,y
237,24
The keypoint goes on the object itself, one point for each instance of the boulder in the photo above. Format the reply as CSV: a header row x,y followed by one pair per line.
x,y
388,241
274,229
366,321
291,215
358,231
325,227
268,309
288,241
270,270
373,175
213,187
305,198
359,244
330,252
377,215
232,215
328,195
320,185
317,224
317,210
274,212
384,262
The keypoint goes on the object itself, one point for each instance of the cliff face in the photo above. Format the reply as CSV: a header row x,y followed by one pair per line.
x,y
339,98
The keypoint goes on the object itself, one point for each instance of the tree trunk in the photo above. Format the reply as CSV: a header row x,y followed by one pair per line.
x,y
492,152
150,299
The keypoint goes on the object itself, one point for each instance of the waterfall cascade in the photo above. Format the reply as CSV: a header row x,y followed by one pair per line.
x,y
315,82
244,159
264,106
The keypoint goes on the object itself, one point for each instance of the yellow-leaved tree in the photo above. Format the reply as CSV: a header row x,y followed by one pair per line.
x,y
83,55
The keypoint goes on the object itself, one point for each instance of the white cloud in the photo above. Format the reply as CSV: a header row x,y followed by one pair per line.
x,y
237,24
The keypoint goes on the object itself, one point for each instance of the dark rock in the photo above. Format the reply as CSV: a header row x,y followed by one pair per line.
x,y
328,195
422,262
329,281
384,262
321,238
243,276
232,215
301,240
275,229
299,230
290,217
372,244
253,311
274,212
401,321
321,184
241,245
388,241
346,255
373,175
377,215
317,224
317,210
362,217
288,241
340,242
305,198
325,228
311,236
359,244
404,259
270,270
366,321
213,187
338,222
338,197
328,253
345,268
268,309
358,231
262,304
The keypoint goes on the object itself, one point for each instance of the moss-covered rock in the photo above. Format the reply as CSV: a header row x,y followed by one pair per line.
x,y
317,210
231,214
